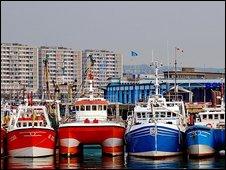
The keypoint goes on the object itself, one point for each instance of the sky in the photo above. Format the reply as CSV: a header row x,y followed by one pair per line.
x,y
151,29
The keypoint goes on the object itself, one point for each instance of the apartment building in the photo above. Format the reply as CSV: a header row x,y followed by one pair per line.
x,y
108,64
22,66
64,64
19,69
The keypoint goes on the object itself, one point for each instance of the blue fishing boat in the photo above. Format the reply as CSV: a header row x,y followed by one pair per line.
x,y
207,135
156,128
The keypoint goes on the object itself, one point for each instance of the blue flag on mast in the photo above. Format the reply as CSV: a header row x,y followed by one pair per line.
x,y
134,53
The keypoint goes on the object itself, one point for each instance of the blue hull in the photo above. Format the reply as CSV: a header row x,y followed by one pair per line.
x,y
204,141
151,140
219,139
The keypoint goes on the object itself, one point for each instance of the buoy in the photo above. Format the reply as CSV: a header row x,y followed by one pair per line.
x,y
209,125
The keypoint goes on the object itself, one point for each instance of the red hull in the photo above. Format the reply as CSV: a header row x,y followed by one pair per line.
x,y
31,142
3,137
109,137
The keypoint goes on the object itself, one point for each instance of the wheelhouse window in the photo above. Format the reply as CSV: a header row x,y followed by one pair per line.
x,y
77,108
138,115
210,116
30,124
168,114
105,107
35,124
215,116
94,107
88,108
156,114
221,116
82,107
174,115
204,116
143,115
162,114
24,124
149,114
99,107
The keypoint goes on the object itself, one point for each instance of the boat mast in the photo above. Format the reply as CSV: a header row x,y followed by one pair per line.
x,y
175,76
156,79
46,72
91,76
157,65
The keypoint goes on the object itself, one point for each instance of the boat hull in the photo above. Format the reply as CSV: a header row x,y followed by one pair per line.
x,y
110,137
3,137
31,142
150,140
219,139
200,141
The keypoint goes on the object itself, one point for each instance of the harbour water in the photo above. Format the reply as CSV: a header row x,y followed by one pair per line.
x,y
92,158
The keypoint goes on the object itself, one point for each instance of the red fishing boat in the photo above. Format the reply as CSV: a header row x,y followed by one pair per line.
x,y
30,133
3,137
91,126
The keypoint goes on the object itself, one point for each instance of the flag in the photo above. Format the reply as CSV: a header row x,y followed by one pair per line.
x,y
133,54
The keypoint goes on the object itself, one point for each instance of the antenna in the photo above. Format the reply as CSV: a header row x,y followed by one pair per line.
x,y
157,65
152,55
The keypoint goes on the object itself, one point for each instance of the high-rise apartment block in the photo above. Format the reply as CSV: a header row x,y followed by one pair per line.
x,y
108,64
64,65
23,66
19,69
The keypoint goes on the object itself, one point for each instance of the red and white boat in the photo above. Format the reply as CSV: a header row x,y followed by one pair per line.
x,y
91,126
3,137
30,133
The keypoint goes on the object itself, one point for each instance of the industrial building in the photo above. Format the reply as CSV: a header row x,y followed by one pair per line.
x,y
131,92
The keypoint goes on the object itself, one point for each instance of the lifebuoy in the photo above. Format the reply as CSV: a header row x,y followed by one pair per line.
x,y
209,125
